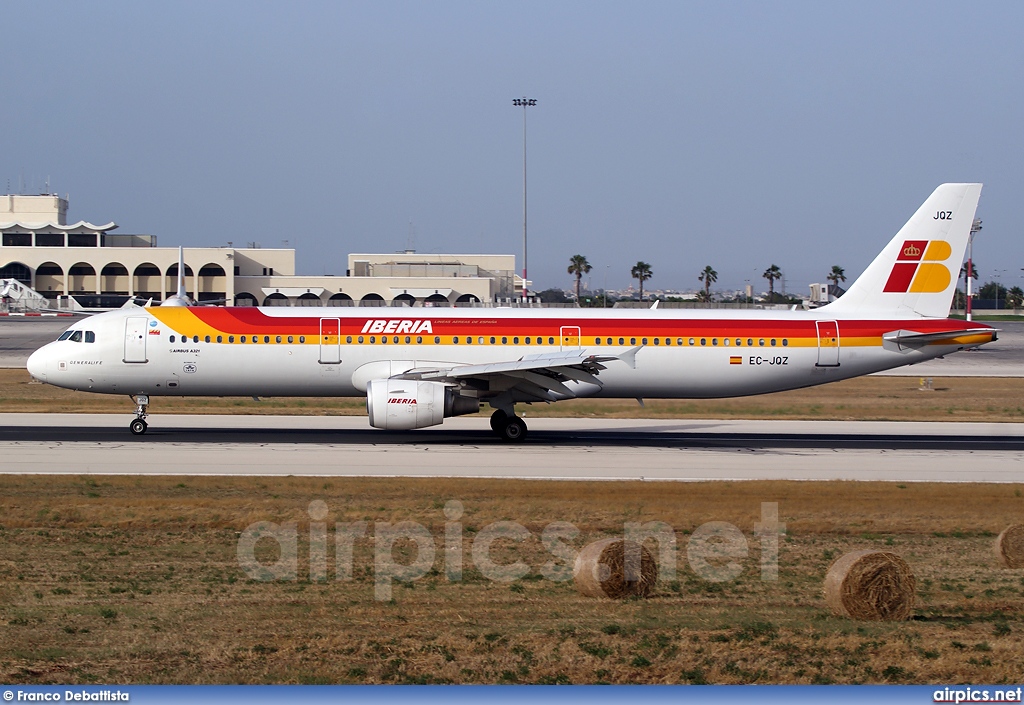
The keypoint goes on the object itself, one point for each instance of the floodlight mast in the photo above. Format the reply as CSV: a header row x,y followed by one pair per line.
x,y
524,102
975,229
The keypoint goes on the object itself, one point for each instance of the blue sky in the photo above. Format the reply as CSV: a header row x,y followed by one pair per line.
x,y
733,134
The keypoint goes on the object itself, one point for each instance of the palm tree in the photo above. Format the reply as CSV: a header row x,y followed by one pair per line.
x,y
771,274
838,275
641,271
709,276
579,266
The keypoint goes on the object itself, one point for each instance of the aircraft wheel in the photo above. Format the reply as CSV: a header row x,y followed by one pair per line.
x,y
498,419
514,430
138,427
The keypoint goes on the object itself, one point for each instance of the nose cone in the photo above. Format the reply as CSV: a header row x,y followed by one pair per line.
x,y
37,364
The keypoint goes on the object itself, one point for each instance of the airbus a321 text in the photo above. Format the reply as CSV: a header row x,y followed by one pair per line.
x,y
418,366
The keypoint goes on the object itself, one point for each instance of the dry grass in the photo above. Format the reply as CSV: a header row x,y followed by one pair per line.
x,y
135,579
864,398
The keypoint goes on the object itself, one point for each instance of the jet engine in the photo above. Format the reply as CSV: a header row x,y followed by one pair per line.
x,y
398,404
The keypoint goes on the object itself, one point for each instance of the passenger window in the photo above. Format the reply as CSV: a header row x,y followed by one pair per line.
x,y
773,342
527,340
437,340
348,339
408,340
395,340
383,340
266,339
373,339
302,339
785,342
207,339
632,341
515,340
231,338
691,341
76,337
750,341
761,342
291,339
360,340
668,341
220,338
419,339
469,340
725,342
504,340
551,341
679,341
67,334
455,340
172,338
597,341
90,336
241,339
714,341
739,342
703,341
622,341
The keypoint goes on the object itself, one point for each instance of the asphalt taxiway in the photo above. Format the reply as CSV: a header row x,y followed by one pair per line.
x,y
557,449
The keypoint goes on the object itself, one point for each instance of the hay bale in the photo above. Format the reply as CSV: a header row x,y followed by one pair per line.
x,y
1009,546
870,585
600,570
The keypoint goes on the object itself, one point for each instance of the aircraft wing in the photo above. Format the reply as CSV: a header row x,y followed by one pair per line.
x,y
543,377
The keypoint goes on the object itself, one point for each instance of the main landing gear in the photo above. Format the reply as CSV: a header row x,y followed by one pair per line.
x,y
510,429
138,425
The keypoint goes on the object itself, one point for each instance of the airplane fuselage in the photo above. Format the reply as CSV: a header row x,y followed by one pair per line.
x,y
332,352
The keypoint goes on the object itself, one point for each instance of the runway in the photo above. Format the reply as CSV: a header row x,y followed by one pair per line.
x,y
557,449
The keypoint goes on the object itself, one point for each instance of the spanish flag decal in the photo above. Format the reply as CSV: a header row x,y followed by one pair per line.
x,y
735,360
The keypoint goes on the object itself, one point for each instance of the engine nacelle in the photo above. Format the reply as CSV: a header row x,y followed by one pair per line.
x,y
399,404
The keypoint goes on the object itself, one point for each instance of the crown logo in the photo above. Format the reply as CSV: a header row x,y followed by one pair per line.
x,y
912,251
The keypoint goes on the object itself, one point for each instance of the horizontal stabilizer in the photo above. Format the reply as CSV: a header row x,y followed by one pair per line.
x,y
910,338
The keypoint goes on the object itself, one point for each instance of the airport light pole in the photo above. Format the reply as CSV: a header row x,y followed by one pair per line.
x,y
975,228
524,102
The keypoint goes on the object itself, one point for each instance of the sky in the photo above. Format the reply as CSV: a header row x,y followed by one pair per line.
x,y
682,134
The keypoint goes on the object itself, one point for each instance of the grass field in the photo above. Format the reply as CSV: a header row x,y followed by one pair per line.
x,y
136,580
864,398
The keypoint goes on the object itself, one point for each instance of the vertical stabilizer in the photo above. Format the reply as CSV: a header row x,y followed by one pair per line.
x,y
917,272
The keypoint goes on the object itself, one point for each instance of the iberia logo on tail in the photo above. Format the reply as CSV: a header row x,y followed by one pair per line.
x,y
918,268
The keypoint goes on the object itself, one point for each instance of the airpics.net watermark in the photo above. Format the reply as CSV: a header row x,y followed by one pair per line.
x,y
715,551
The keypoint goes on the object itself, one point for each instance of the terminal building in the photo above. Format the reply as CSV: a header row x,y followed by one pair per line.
x,y
84,264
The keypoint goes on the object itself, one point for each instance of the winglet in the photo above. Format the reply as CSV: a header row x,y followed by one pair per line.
x,y
182,294
629,357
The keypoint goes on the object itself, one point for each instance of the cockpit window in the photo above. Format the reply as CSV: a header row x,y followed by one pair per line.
x,y
90,337
76,337
65,335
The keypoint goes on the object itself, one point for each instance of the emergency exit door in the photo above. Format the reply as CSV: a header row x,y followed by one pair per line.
x,y
828,344
330,341
135,338
570,337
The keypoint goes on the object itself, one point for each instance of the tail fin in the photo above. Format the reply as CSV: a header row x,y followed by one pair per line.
x,y
917,271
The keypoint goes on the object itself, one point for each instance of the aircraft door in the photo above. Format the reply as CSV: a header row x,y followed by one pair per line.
x,y
330,341
135,338
570,337
828,344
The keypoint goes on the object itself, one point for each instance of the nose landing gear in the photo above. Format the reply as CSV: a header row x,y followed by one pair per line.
x,y
138,425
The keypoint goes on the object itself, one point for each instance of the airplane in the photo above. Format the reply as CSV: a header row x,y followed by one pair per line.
x,y
417,367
